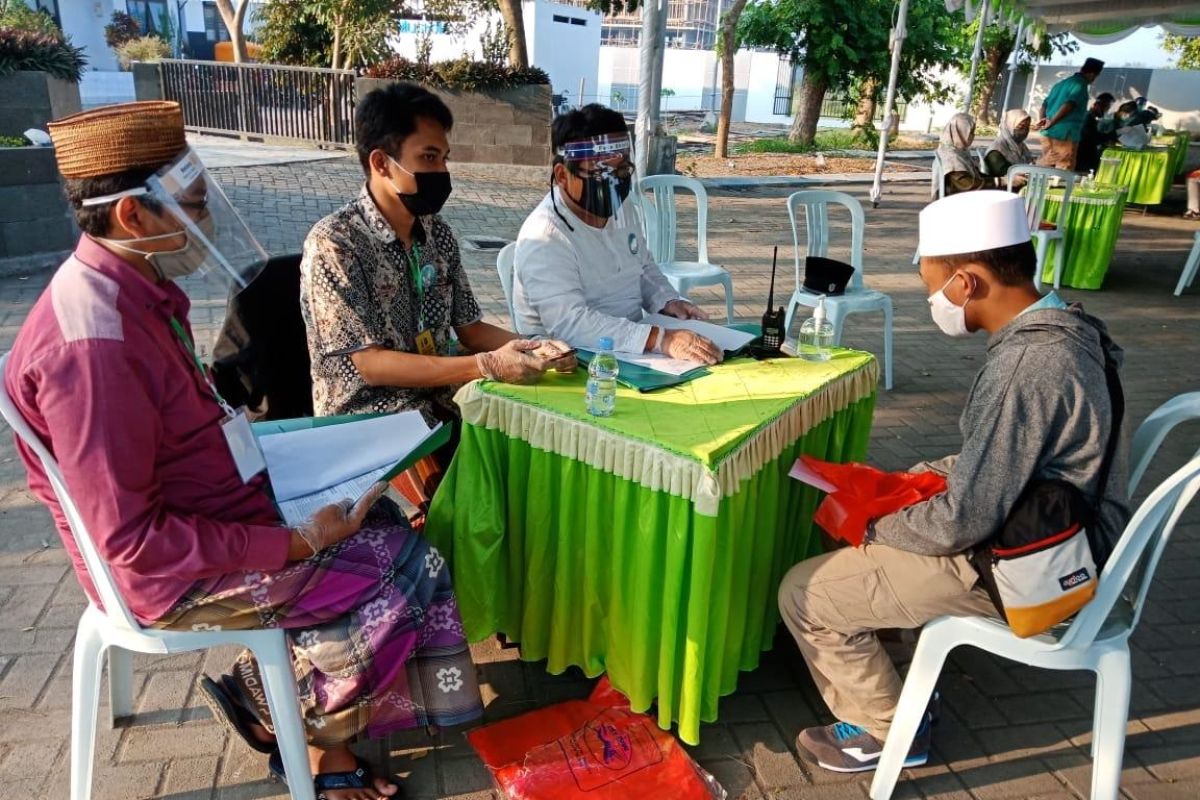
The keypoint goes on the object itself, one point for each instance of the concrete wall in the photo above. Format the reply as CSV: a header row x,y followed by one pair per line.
x,y
510,126
31,99
105,88
84,21
567,50
34,216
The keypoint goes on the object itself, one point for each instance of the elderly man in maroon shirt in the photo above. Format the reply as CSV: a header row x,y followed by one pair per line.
x,y
105,372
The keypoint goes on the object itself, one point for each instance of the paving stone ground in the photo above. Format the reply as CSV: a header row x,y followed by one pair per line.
x,y
1007,731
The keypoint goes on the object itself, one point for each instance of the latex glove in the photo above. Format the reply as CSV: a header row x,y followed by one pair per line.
x,y
551,352
512,363
690,346
333,523
683,309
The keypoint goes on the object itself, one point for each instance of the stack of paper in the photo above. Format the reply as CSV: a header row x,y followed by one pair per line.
x,y
317,466
728,339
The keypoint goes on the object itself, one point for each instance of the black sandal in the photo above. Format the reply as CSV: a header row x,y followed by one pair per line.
x,y
360,778
220,699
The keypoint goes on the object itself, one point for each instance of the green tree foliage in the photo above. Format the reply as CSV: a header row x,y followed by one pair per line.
x,y
121,28
999,39
1186,50
27,50
290,33
18,16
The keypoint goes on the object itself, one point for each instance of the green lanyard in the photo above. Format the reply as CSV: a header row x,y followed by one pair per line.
x,y
187,345
414,268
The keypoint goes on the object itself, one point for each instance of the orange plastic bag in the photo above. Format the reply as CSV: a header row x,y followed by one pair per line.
x,y
590,750
864,493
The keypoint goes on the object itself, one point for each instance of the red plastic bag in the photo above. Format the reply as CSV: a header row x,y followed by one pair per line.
x,y
864,493
590,750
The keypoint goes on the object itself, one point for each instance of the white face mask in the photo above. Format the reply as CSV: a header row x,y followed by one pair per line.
x,y
951,318
171,265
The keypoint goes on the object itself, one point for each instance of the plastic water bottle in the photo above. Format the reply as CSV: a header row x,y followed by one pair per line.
x,y
816,335
601,396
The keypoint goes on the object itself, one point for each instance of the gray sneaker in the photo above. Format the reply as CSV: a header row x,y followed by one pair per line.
x,y
842,747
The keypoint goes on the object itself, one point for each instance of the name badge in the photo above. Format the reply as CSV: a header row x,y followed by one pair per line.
x,y
243,445
425,343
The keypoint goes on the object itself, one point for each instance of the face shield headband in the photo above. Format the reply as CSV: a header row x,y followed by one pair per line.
x,y
218,245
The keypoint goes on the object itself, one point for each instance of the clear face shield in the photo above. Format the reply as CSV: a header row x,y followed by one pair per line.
x,y
604,166
203,233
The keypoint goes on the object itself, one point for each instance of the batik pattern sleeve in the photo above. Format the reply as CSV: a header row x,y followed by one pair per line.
x,y
108,456
340,297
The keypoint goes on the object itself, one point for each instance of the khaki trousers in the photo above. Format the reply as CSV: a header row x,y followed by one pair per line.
x,y
1058,153
833,605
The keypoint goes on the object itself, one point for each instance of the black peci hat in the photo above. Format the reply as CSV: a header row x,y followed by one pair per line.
x,y
826,275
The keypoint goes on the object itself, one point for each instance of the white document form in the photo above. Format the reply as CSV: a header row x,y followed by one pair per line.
x,y
722,337
802,473
299,509
658,362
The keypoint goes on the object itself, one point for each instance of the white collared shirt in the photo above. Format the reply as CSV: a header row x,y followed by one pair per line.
x,y
584,284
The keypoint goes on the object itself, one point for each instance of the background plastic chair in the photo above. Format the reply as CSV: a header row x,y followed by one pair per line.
x,y
662,229
1096,640
116,633
506,263
1189,268
1039,181
858,298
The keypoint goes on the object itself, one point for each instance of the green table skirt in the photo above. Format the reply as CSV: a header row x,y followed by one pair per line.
x,y
1148,173
1090,233
588,569
1178,142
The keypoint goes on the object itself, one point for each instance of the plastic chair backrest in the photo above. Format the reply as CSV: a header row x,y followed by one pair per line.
x,y
816,224
1130,569
662,232
114,606
1037,189
1154,430
937,179
506,263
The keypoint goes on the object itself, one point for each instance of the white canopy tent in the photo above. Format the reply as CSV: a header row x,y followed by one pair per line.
x,y
1091,21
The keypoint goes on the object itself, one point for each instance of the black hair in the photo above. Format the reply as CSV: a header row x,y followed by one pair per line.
x,y
385,117
591,120
94,220
1105,97
1014,265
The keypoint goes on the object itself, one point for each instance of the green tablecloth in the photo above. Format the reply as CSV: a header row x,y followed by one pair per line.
x,y
1090,233
1148,173
650,544
1178,142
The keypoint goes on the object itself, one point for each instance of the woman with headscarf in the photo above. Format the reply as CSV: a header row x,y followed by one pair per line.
x,y
1009,149
960,172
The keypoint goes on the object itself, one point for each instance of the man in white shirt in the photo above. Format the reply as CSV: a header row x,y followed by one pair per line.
x,y
583,270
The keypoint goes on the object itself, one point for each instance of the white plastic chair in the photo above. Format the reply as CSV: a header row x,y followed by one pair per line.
x,y
1189,268
858,298
1039,181
662,229
1097,639
116,633
506,263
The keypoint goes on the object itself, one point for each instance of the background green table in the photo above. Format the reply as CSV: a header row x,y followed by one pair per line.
x,y
1147,173
1090,232
649,544
1178,141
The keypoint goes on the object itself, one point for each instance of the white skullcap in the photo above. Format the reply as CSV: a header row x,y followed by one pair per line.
x,y
972,221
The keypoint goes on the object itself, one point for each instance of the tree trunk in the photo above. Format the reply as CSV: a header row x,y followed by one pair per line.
x,y
996,58
514,20
808,110
729,22
864,115
234,18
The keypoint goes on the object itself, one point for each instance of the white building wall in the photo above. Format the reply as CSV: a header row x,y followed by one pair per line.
x,y
84,21
1176,93
760,89
568,51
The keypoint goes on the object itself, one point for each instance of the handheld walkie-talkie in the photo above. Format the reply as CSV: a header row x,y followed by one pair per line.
x,y
772,321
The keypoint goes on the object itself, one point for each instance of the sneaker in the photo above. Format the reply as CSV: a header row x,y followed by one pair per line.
x,y
842,747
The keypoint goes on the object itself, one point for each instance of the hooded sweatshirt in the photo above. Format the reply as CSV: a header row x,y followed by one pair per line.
x,y
1039,409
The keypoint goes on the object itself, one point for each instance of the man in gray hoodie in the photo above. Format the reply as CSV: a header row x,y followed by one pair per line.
x,y
1039,409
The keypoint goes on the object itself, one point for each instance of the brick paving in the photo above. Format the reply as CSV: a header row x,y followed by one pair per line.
x,y
1006,731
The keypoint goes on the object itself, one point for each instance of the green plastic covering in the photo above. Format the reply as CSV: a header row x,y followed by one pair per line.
x,y
1148,173
1090,234
588,569
1178,142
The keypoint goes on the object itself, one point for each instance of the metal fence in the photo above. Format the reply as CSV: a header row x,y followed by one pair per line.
x,y
301,103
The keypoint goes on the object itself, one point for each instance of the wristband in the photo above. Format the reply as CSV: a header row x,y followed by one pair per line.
x,y
662,332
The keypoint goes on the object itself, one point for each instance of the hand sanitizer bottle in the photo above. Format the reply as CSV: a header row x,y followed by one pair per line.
x,y
816,335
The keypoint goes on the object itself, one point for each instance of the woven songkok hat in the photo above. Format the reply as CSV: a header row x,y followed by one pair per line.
x,y
112,139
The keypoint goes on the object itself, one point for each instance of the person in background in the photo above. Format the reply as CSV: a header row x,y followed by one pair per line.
x,y
583,270
960,170
1096,135
105,372
1063,113
1193,195
1009,148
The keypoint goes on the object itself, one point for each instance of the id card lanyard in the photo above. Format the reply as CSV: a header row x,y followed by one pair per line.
x,y
186,341
414,269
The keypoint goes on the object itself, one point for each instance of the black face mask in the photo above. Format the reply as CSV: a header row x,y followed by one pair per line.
x,y
597,197
433,188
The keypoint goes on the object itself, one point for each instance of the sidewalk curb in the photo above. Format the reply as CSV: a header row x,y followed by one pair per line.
x,y
786,181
